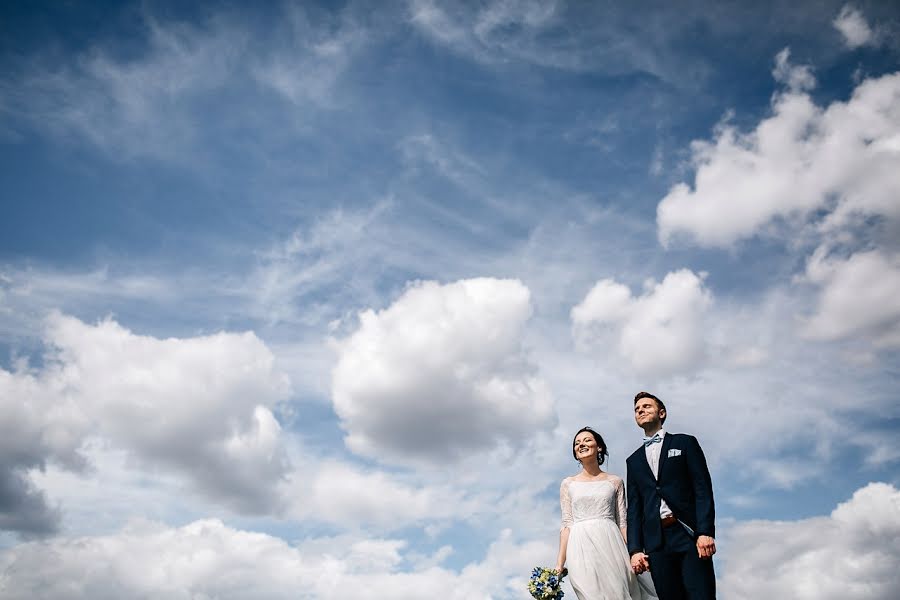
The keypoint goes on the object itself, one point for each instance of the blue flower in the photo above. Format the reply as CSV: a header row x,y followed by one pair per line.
x,y
544,584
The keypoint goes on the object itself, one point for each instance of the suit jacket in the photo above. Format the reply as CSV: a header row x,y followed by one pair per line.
x,y
684,483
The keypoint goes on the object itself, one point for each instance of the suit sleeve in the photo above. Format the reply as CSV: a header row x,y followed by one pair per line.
x,y
635,515
703,491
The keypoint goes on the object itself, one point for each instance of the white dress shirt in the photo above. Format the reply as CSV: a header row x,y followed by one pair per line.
x,y
653,451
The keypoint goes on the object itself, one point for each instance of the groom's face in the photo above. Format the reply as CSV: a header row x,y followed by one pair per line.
x,y
647,413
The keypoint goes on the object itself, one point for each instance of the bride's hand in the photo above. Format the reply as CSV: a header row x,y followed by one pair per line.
x,y
639,563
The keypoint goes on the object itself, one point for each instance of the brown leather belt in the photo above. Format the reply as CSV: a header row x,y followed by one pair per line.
x,y
668,521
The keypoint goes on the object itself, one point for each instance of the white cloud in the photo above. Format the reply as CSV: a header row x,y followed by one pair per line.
x,y
660,332
346,496
802,159
310,263
200,407
308,66
155,104
319,491
440,374
449,162
38,424
135,107
28,293
816,177
500,33
848,555
211,560
854,28
860,294
34,285
797,77
493,32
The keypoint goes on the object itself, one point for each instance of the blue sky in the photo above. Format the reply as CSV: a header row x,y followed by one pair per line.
x,y
317,294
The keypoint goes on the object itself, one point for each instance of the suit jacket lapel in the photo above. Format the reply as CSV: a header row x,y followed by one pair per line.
x,y
663,454
645,464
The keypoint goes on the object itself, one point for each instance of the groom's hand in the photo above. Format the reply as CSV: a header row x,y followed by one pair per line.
x,y
706,546
639,563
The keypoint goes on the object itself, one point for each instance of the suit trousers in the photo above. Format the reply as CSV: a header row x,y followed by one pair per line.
x,y
678,573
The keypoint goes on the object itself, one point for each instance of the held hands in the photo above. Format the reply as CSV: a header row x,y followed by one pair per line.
x,y
706,547
639,563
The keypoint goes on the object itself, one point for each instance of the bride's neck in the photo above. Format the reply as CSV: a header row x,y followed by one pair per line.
x,y
592,469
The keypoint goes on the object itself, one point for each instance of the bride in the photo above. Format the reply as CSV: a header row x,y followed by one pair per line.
x,y
592,536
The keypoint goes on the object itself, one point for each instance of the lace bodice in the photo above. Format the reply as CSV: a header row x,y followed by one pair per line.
x,y
599,499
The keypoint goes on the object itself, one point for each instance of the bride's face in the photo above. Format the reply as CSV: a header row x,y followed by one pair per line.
x,y
585,446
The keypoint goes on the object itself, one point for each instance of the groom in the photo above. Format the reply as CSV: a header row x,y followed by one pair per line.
x,y
671,515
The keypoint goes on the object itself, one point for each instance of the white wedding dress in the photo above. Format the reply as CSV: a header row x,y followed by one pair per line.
x,y
596,556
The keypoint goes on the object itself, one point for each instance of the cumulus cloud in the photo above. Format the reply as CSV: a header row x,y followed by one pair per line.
x,y
823,178
38,424
201,407
209,559
799,161
660,332
441,373
848,555
853,27
860,294
23,508
154,561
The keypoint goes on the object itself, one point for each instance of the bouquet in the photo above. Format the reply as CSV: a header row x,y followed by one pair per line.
x,y
544,583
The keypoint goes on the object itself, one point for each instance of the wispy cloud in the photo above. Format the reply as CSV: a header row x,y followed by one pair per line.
x,y
310,58
139,107
159,103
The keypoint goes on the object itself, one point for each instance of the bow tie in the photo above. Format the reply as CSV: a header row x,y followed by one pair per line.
x,y
652,440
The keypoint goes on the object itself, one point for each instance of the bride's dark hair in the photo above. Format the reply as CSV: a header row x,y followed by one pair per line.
x,y
602,454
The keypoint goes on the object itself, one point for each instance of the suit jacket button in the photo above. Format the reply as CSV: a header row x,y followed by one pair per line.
x,y
657,488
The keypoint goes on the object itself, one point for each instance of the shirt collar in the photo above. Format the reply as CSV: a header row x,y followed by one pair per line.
x,y
661,433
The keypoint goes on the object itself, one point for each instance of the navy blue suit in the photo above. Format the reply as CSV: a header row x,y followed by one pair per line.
x,y
684,483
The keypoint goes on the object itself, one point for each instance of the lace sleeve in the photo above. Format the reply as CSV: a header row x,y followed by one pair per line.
x,y
565,504
621,514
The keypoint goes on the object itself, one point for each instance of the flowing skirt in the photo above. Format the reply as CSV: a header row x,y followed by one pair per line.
x,y
599,565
